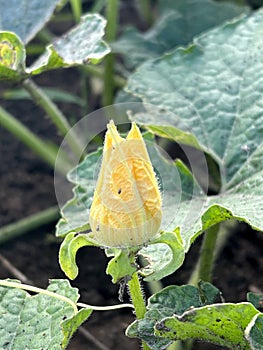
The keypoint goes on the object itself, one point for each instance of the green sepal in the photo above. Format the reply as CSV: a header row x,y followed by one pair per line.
x,y
68,250
120,266
164,255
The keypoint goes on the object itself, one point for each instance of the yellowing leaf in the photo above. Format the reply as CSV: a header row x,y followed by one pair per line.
x,y
126,209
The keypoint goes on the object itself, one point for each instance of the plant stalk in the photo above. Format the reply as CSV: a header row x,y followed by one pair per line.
x,y
31,222
76,7
225,230
137,300
54,114
98,72
112,14
21,132
146,11
204,267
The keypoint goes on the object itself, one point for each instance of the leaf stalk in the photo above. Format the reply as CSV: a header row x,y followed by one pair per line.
x,y
54,113
112,14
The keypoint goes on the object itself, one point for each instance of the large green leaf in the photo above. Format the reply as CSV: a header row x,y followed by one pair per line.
x,y
169,301
25,18
81,45
210,96
222,324
36,322
180,21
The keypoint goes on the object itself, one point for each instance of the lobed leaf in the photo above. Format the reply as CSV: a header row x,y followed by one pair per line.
x,y
35,322
211,99
222,324
179,22
169,301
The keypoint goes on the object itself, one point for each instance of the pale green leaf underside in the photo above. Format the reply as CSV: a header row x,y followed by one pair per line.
x,y
25,18
213,90
81,45
34,322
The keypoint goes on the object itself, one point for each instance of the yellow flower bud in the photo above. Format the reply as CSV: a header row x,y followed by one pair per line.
x,y
126,209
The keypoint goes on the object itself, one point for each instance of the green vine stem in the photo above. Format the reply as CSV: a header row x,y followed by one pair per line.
x,y
75,306
112,13
21,132
105,308
54,114
137,300
39,290
31,222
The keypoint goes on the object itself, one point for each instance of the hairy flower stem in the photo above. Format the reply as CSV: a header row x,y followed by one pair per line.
x,y
137,298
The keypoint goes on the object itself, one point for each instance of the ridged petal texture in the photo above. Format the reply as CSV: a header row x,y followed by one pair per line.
x,y
126,209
